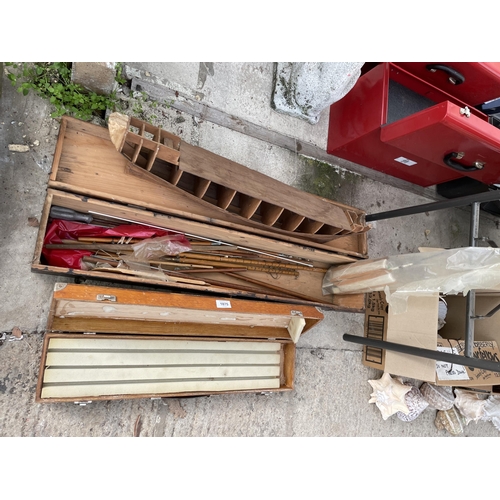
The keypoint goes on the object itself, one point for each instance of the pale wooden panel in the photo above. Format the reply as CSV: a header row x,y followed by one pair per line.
x,y
75,308
84,391
157,358
58,375
141,344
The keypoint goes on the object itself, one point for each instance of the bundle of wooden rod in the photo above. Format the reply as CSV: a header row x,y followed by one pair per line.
x,y
206,258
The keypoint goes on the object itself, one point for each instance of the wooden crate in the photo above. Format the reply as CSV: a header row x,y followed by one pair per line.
x,y
106,343
91,177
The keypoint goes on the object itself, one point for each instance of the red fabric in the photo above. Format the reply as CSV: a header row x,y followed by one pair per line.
x,y
68,230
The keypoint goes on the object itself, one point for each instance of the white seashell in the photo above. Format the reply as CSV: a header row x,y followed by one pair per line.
x,y
389,395
492,410
440,397
451,420
416,405
442,312
471,405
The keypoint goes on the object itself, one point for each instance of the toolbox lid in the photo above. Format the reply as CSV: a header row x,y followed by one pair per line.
x,y
98,309
473,82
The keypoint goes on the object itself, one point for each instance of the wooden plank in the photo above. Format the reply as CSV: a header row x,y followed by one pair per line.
x,y
248,205
270,213
291,221
98,343
157,358
151,159
123,344
310,226
85,391
176,175
58,150
144,373
158,329
201,187
225,196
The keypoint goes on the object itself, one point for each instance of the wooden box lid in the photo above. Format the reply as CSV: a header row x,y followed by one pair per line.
x,y
80,308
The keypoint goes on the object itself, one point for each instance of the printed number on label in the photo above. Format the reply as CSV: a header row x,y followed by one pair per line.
x,y
223,304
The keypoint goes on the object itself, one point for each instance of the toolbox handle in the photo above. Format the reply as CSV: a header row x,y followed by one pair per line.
x,y
454,76
449,160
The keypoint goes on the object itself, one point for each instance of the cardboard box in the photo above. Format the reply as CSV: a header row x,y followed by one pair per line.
x,y
418,327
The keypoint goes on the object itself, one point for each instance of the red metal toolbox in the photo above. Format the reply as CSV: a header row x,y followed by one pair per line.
x,y
399,124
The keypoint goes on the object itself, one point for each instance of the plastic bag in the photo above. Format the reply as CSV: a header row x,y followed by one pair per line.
x,y
445,271
59,230
154,248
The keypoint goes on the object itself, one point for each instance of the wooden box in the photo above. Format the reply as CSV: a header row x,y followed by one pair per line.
x,y
90,176
105,343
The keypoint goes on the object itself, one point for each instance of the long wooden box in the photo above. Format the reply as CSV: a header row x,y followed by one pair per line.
x,y
72,185
105,343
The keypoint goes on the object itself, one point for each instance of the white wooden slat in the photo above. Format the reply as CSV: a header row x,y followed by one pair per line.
x,y
154,344
62,375
84,391
155,358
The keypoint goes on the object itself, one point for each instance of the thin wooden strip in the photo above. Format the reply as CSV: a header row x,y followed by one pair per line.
x,y
151,158
155,358
164,152
137,151
84,391
168,154
175,175
310,226
142,344
270,213
72,375
248,205
292,221
225,196
201,187
59,147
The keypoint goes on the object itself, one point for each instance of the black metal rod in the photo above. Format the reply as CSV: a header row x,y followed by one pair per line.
x,y
425,353
436,205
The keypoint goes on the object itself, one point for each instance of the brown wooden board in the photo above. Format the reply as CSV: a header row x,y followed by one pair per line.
x,y
253,349
86,162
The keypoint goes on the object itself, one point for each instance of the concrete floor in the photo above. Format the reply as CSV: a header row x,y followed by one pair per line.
x,y
331,385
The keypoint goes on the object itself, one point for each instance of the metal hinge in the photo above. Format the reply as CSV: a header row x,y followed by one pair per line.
x,y
102,296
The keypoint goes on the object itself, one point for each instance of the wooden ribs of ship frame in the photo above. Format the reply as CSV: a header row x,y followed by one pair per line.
x,y
249,196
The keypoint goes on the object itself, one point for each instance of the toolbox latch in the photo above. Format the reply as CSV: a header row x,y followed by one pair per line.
x,y
103,297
